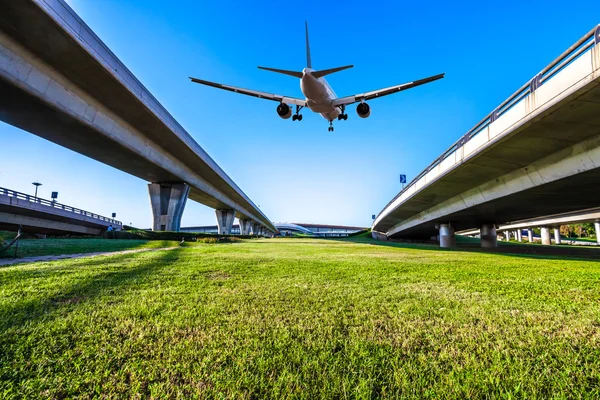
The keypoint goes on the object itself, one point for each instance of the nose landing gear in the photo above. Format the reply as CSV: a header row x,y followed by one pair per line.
x,y
330,126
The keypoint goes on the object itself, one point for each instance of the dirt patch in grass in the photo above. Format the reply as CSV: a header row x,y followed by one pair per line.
x,y
217,275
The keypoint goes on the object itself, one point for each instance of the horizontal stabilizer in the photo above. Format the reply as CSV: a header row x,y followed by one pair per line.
x,y
284,71
323,72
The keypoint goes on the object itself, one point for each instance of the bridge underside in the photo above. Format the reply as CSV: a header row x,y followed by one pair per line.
x,y
60,82
569,194
42,225
547,162
31,114
33,220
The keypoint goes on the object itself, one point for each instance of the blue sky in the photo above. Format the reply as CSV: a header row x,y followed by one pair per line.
x,y
298,171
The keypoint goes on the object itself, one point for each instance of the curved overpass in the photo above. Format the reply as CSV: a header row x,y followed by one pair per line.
x,y
61,82
537,153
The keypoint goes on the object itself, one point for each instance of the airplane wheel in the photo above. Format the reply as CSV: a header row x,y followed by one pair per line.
x,y
345,117
299,117
340,117
294,117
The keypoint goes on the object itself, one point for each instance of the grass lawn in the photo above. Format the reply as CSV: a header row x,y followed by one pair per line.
x,y
301,318
52,247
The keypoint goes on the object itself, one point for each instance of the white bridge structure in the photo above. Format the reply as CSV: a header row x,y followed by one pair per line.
x,y
546,224
23,212
59,81
536,154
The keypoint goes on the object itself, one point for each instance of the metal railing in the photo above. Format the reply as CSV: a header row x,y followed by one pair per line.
x,y
571,54
54,204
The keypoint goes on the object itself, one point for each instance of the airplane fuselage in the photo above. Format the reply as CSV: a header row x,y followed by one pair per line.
x,y
319,95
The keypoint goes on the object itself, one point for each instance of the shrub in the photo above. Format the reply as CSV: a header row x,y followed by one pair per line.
x,y
178,236
208,240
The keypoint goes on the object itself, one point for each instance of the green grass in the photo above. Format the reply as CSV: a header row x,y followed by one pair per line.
x,y
301,318
51,247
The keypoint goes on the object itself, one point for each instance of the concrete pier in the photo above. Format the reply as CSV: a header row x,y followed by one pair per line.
x,y
447,239
597,227
546,235
225,221
255,229
489,238
530,235
519,235
245,226
168,203
557,236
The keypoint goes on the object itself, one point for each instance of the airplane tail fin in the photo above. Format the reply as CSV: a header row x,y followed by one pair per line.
x,y
308,60
316,74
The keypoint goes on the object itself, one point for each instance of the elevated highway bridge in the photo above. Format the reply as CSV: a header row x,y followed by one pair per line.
x,y
36,215
536,154
60,82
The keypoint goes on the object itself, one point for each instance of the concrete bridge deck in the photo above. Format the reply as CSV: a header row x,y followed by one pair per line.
x,y
37,215
536,154
61,82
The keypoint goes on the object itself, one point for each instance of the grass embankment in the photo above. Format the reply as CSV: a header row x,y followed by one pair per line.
x,y
52,247
301,318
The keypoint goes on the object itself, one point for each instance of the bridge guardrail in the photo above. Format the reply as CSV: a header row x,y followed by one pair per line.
x,y
584,44
54,204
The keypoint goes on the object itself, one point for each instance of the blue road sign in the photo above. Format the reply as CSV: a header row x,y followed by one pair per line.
x,y
373,216
402,178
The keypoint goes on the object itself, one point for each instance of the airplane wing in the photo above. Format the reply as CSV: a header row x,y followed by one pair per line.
x,y
254,93
344,101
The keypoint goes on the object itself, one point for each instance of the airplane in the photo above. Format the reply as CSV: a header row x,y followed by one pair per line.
x,y
320,97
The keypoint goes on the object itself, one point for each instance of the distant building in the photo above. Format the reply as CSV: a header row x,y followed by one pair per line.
x,y
289,229
317,230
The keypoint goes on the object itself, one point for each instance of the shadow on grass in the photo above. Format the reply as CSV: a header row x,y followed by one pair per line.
x,y
522,250
83,291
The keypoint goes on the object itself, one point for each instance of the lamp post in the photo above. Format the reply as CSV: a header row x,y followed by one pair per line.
x,y
36,184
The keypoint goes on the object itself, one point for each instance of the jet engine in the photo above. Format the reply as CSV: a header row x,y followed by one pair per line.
x,y
284,111
363,110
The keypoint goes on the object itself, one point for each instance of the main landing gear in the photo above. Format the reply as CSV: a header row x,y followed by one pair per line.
x,y
343,116
297,116
330,126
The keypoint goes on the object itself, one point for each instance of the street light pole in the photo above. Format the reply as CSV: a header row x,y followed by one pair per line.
x,y
36,184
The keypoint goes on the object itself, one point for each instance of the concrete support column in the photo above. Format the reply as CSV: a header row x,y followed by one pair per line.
x,y
488,235
530,235
557,236
546,235
520,235
168,202
225,221
447,239
597,227
245,226
255,229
